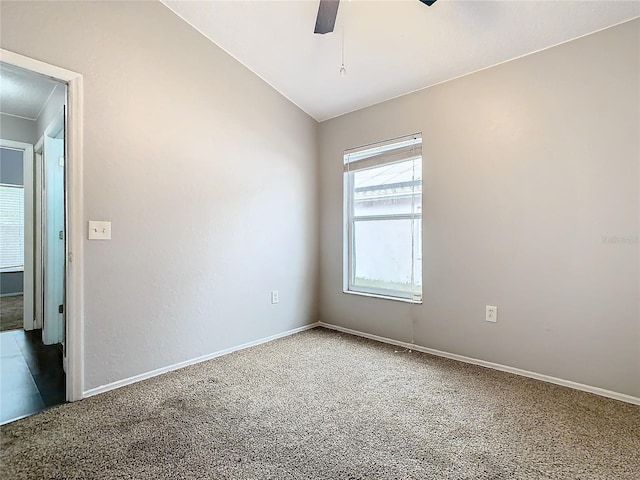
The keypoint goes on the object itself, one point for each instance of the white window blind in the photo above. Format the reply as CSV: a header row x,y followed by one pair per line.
x,y
11,227
383,219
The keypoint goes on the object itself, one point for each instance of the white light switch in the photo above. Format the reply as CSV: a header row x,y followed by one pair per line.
x,y
99,230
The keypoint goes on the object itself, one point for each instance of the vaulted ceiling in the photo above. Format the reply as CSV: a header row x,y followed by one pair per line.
x,y
391,47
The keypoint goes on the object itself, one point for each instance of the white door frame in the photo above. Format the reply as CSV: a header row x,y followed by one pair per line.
x,y
28,272
38,254
74,261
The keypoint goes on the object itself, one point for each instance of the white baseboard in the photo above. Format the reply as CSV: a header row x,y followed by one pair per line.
x,y
154,373
495,366
14,294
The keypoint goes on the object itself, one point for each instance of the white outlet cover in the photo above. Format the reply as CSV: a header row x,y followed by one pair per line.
x,y
99,230
491,314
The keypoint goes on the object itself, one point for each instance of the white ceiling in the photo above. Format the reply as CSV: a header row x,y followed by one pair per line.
x,y
23,94
391,47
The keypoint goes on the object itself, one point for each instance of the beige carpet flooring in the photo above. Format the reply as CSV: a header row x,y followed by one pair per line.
x,y
325,405
11,313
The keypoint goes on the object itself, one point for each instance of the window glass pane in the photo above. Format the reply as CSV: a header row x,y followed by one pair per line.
x,y
388,189
382,254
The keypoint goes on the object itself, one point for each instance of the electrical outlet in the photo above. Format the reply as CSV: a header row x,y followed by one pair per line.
x,y
274,297
491,314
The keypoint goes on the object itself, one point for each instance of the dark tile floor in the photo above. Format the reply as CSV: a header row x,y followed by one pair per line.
x,y
31,374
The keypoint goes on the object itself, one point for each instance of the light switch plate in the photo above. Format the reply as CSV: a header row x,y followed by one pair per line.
x,y
99,230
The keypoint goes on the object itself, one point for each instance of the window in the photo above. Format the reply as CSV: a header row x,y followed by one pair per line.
x,y
383,219
11,228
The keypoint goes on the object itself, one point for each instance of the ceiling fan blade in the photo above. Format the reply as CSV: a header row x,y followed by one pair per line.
x,y
327,12
428,2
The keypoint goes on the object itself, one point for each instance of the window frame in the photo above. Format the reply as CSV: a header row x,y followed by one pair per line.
x,y
350,219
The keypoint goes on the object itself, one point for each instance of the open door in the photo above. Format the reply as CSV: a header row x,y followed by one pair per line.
x,y
54,234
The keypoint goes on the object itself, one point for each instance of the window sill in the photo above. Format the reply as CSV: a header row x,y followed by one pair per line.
x,y
382,297
11,269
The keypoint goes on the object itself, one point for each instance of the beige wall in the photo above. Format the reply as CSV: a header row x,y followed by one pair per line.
x,y
17,129
528,168
51,110
207,173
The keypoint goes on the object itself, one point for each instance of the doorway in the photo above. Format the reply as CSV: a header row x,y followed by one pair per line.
x,y
32,109
51,332
16,232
